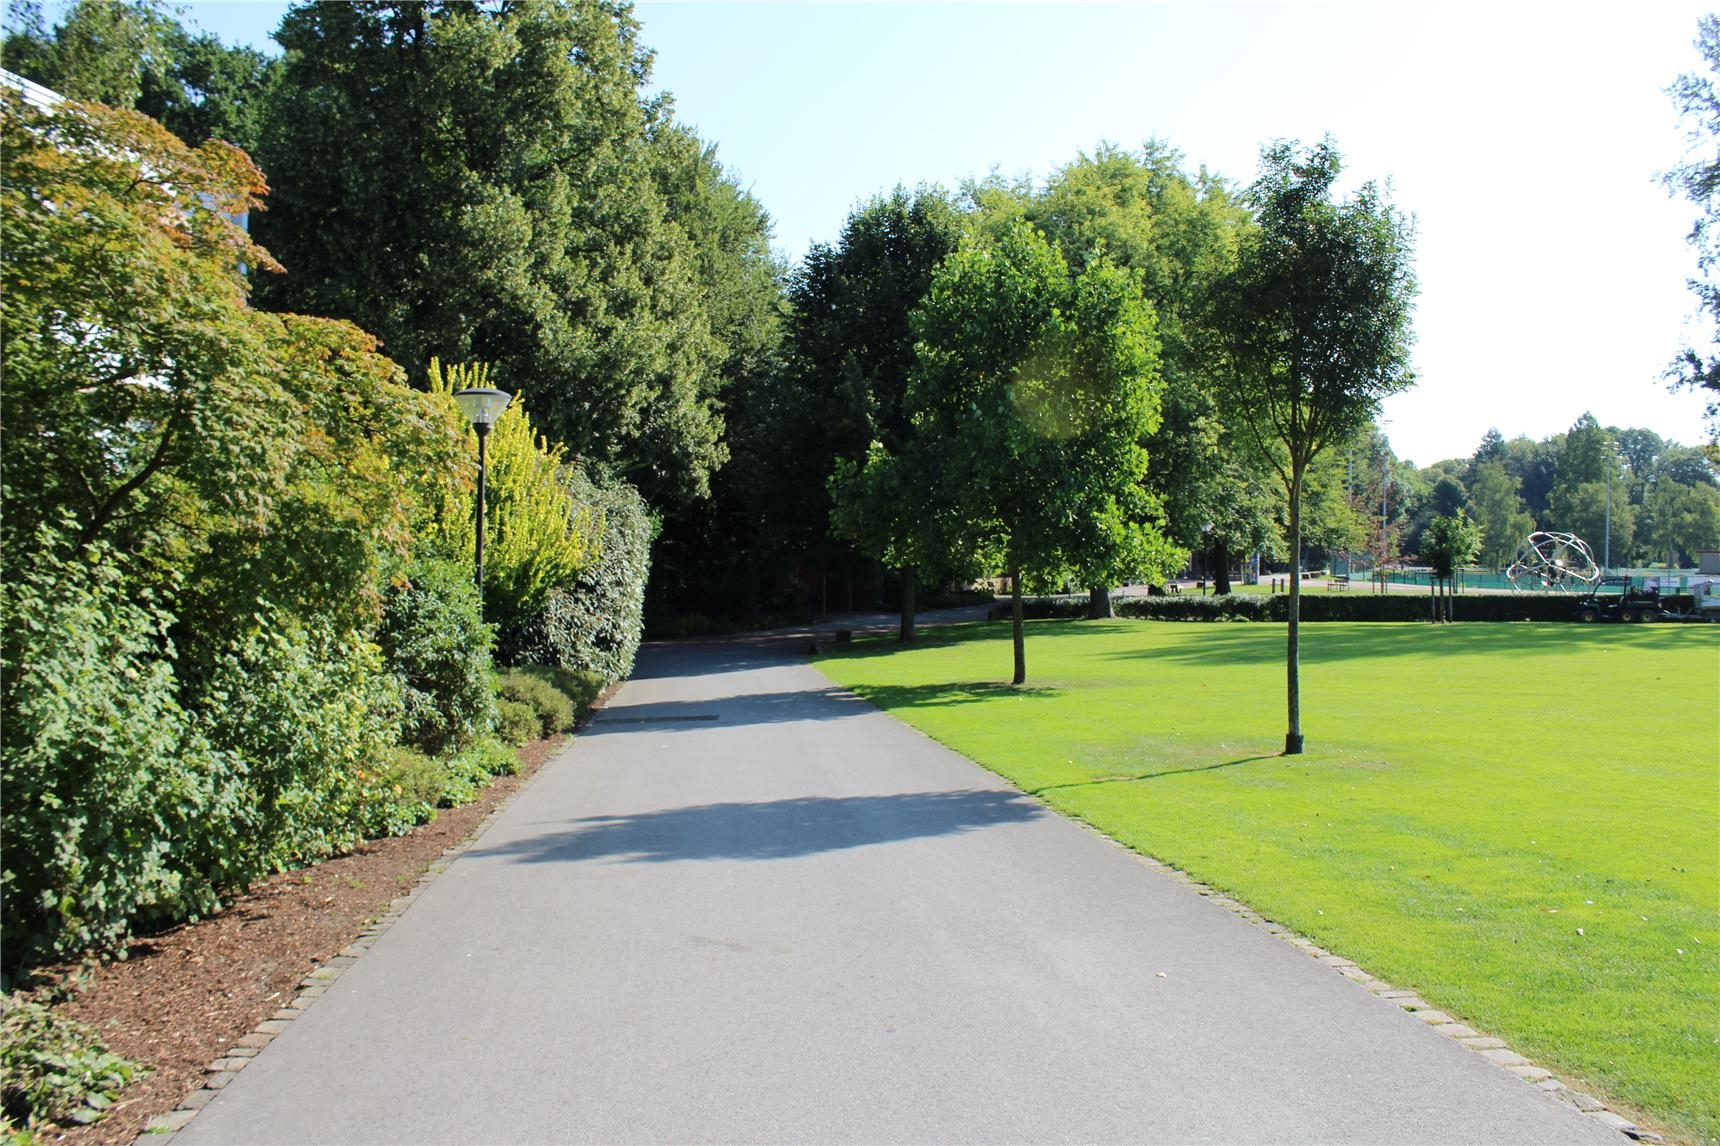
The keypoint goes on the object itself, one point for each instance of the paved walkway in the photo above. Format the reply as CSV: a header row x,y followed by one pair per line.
x,y
746,907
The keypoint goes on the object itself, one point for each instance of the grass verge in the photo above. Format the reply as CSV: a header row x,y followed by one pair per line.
x,y
1520,821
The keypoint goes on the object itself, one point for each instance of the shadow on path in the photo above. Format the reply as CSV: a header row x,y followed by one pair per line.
x,y
779,829
828,703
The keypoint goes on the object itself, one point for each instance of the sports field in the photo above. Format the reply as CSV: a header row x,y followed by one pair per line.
x,y
1520,821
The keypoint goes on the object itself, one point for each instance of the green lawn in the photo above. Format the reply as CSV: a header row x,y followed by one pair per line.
x,y
1520,821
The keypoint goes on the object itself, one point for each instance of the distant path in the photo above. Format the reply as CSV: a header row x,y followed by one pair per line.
x,y
747,907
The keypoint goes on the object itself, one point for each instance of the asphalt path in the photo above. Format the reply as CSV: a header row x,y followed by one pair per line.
x,y
745,906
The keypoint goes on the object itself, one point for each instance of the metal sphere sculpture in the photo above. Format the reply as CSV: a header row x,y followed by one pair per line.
x,y
1560,561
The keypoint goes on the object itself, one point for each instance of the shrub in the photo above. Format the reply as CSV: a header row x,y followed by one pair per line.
x,y
438,647
578,685
53,1069
1191,607
411,787
1040,608
554,708
103,771
466,772
517,722
595,622
310,715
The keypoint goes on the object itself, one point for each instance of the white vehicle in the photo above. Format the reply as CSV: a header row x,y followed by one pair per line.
x,y
1706,590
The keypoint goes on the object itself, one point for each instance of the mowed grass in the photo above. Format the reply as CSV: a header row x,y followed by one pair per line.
x,y
1520,821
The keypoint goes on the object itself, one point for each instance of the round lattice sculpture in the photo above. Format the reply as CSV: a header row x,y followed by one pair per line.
x,y
1561,561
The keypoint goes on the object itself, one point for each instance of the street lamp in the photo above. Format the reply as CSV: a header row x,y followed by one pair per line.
x,y
1612,458
482,406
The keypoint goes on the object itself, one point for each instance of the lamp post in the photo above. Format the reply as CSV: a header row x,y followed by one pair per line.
x,y
1606,553
482,406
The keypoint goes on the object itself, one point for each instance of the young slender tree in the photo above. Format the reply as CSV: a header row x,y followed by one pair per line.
x,y
1314,329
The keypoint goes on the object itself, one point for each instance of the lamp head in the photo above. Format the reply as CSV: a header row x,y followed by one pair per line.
x,y
482,406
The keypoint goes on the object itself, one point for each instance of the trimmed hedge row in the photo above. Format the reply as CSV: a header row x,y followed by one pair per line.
x,y
1315,607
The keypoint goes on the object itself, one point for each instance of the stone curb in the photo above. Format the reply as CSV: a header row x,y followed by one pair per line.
x,y
1490,1048
161,1130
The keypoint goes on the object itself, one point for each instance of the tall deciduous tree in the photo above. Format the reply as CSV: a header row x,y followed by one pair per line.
x,y
1035,386
850,351
482,182
1698,179
1179,232
1499,511
1314,328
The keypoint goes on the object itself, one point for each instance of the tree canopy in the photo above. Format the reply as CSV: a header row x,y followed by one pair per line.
x,y
493,183
1035,386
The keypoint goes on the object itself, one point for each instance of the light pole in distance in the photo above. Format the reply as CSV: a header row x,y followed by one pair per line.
x,y
482,405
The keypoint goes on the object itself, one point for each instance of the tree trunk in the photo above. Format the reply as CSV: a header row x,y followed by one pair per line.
x,y
1099,604
1433,597
1020,641
910,581
1220,568
1293,668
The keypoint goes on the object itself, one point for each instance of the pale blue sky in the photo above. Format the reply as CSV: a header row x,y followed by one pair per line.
x,y
1525,138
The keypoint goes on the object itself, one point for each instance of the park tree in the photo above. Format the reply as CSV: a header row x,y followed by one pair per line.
x,y
101,50
1500,514
1697,179
1179,232
1035,386
137,56
209,90
849,353
1448,544
1678,520
1600,513
1534,465
1314,329
486,183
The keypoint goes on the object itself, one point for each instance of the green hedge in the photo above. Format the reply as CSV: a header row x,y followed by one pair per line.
x,y
1318,607
594,624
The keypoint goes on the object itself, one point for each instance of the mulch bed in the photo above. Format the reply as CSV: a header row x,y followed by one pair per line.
x,y
181,997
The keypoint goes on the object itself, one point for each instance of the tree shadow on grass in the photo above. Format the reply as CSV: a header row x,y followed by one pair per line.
x,y
1163,772
1263,643
891,697
777,829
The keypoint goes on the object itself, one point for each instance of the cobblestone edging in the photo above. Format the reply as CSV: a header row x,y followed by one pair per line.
x,y
162,1128
1492,1049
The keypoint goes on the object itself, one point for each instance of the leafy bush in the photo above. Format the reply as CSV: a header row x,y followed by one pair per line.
x,y
595,622
438,647
578,685
103,771
554,708
467,771
517,722
53,1069
412,786
1041,608
309,714
1193,607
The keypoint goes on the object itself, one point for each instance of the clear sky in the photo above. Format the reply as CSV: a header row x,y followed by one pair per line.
x,y
1524,137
